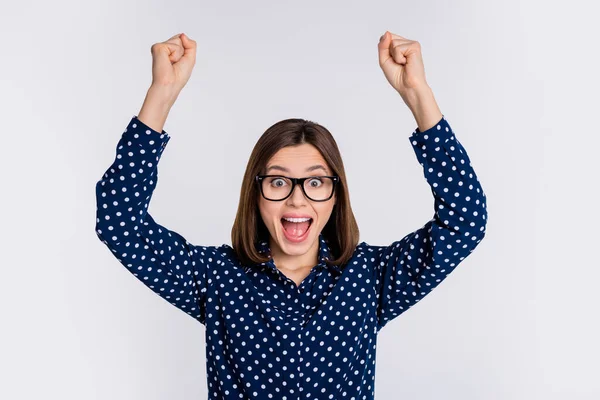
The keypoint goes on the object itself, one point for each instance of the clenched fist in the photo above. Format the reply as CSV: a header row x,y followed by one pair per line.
x,y
401,62
173,61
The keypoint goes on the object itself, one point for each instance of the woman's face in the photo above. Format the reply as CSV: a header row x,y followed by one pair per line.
x,y
296,162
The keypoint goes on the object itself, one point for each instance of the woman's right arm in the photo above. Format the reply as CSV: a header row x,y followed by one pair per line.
x,y
160,258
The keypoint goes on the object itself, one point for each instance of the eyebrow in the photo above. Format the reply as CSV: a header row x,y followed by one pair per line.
x,y
309,169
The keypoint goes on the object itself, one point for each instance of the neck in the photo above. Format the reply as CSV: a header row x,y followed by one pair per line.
x,y
293,263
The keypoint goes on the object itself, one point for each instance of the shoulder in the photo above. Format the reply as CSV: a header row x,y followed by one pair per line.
x,y
212,255
365,255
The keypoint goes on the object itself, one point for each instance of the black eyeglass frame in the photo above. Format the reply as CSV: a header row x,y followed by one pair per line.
x,y
296,181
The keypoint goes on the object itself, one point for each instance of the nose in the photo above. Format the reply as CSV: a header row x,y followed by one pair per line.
x,y
297,195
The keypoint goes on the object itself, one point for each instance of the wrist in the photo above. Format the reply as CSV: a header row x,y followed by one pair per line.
x,y
163,96
156,107
423,106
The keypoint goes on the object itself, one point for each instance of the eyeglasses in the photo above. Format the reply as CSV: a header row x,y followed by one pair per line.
x,y
278,187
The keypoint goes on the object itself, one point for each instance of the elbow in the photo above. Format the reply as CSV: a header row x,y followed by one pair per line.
x,y
476,234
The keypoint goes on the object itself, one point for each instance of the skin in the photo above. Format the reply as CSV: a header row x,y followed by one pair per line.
x,y
295,260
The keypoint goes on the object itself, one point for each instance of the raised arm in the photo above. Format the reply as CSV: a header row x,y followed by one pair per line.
x,y
160,258
409,268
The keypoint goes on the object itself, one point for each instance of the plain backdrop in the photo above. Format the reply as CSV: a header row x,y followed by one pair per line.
x,y
517,81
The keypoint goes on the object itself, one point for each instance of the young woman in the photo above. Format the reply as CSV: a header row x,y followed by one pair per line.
x,y
293,307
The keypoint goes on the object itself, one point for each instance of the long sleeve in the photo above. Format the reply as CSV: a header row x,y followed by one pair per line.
x,y
408,269
160,258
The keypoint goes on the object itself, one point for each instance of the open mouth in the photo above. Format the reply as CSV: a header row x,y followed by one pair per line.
x,y
296,231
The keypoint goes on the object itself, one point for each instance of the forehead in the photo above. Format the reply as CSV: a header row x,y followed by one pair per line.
x,y
297,159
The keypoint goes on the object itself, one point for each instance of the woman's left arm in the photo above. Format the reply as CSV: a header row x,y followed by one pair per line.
x,y
410,268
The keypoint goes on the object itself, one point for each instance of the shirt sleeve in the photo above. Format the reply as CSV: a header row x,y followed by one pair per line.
x,y
160,258
408,269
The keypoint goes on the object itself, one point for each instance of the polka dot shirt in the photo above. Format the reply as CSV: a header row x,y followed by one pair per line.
x,y
266,337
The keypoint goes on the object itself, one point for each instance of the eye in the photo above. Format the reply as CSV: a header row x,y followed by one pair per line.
x,y
275,180
316,180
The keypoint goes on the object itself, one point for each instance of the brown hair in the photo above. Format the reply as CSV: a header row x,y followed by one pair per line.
x,y
340,231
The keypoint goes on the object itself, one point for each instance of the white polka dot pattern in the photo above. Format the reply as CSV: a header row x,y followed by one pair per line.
x,y
266,337
410,268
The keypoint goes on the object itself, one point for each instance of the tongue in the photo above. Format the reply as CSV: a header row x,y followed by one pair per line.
x,y
295,228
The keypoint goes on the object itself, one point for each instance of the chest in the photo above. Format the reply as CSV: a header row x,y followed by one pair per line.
x,y
325,303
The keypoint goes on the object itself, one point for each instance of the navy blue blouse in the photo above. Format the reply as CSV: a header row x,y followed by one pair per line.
x,y
266,337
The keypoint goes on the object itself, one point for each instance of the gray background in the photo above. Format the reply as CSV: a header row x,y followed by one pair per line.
x,y
517,80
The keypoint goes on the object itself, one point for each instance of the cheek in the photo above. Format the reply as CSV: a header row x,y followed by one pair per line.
x,y
324,213
269,211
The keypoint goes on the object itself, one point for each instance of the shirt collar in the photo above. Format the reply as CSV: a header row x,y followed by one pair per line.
x,y
324,254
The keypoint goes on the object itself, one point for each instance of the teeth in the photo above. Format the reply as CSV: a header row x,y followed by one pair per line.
x,y
297,219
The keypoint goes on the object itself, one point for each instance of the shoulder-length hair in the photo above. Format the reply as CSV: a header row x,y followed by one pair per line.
x,y
341,230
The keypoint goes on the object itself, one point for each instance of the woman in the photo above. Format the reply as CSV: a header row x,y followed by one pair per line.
x,y
292,309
